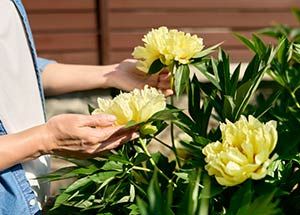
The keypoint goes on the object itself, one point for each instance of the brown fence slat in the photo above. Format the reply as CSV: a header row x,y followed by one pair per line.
x,y
125,20
63,21
47,5
237,55
90,57
203,4
128,40
66,41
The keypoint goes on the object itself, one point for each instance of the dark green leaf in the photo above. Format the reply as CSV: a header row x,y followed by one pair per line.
x,y
103,176
246,41
182,75
156,67
79,184
91,109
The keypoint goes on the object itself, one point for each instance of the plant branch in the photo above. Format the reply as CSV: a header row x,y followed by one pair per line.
x,y
154,164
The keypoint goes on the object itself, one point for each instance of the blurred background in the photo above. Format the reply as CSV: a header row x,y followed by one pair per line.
x,y
100,32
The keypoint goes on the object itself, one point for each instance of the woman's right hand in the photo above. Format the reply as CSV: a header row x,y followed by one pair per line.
x,y
82,136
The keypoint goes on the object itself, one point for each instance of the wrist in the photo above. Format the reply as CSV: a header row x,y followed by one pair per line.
x,y
46,142
109,76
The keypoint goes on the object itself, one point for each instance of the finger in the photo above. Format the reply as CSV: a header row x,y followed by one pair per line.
x,y
116,142
99,120
97,135
168,92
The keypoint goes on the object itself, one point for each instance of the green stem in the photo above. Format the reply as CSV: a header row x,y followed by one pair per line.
x,y
172,124
205,193
154,164
164,144
141,169
295,99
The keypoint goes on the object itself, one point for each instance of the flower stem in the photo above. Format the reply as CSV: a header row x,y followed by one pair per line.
x,y
172,124
154,164
205,193
164,144
295,99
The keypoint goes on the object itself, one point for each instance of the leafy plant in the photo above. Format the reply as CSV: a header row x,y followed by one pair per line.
x,y
131,180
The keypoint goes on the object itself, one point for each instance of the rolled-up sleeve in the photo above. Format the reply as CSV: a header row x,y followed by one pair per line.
x,y
42,63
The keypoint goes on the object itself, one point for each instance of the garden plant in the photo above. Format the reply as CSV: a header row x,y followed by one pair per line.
x,y
240,152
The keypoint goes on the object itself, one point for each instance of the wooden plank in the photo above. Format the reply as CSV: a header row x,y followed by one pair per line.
x,y
203,4
134,20
237,55
66,41
128,40
63,22
89,57
104,31
54,5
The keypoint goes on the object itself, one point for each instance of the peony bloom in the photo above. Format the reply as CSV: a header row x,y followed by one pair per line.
x,y
137,106
243,153
168,46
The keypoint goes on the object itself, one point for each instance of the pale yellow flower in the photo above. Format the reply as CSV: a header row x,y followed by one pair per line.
x,y
137,106
168,46
243,153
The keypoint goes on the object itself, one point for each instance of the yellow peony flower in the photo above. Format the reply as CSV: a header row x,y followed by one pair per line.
x,y
244,152
137,106
168,46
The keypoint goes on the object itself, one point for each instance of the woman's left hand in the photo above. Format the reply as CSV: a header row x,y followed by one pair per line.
x,y
127,77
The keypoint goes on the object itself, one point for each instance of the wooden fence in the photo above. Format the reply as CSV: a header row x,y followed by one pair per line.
x,y
106,31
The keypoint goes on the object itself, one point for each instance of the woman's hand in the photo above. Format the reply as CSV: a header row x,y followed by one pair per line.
x,y
83,136
126,77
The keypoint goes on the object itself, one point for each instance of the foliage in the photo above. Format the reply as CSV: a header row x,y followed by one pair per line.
x,y
131,180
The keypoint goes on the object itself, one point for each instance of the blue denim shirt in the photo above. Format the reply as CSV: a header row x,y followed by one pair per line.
x,y
16,195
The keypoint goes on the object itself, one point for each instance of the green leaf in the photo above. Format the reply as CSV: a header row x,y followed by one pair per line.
x,y
119,158
207,51
182,75
143,206
189,202
266,106
131,123
167,114
194,98
103,176
245,202
242,197
156,67
264,205
60,200
246,41
260,47
296,13
211,78
229,107
79,184
234,80
141,157
91,109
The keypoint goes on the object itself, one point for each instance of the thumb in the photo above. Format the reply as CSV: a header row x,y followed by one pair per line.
x,y
100,120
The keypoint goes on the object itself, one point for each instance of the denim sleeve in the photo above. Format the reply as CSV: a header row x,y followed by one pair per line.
x,y
42,63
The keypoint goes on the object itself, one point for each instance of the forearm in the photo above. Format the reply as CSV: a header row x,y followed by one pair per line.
x,y
21,147
65,78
